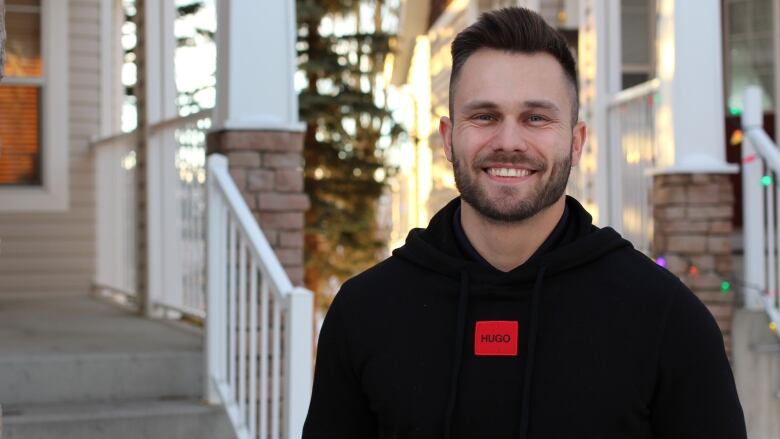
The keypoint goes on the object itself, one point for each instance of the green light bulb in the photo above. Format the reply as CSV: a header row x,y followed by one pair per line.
x,y
766,180
725,286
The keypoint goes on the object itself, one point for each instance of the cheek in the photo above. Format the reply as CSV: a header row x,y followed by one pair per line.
x,y
470,141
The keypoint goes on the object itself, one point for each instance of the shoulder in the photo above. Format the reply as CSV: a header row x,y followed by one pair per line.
x,y
378,284
632,268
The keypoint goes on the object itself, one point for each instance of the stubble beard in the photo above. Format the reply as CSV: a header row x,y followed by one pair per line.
x,y
507,207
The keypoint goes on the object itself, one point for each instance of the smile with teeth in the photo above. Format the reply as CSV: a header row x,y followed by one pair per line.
x,y
508,172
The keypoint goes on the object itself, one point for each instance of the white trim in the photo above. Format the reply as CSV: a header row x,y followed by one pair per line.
x,y
258,125
24,80
53,195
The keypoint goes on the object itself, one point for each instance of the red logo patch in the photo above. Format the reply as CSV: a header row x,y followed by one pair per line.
x,y
496,338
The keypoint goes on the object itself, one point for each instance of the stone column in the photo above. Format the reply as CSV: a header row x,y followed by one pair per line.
x,y
692,233
267,167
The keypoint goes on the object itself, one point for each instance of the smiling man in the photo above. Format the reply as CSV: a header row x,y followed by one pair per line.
x,y
511,315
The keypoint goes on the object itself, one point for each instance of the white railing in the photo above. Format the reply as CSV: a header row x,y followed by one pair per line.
x,y
177,212
116,189
173,221
252,305
632,153
761,201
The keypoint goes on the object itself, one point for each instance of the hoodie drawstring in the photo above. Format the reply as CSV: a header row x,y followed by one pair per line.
x,y
460,331
529,366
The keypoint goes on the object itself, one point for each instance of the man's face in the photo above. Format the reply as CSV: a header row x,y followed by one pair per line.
x,y
511,140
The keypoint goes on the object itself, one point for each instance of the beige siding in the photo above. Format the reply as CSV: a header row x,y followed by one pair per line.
x,y
55,252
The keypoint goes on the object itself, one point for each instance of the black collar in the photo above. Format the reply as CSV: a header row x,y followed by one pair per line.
x,y
468,250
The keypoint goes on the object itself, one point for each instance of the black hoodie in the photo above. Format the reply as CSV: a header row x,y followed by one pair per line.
x,y
589,340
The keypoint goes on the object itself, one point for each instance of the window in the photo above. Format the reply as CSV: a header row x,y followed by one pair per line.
x,y
20,96
637,28
33,107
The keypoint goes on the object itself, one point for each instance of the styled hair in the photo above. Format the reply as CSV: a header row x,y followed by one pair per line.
x,y
514,30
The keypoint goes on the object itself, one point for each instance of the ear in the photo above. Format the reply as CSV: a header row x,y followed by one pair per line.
x,y
579,135
445,131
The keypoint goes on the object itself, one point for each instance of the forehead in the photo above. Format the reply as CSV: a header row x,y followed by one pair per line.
x,y
511,78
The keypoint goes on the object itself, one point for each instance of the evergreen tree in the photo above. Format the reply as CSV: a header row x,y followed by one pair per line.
x,y
346,135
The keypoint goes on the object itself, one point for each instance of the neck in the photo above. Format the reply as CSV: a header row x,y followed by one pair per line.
x,y
508,245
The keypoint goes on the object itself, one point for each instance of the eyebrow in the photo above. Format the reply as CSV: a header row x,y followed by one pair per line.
x,y
540,104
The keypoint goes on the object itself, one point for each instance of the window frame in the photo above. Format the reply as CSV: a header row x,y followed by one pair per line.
x,y
53,194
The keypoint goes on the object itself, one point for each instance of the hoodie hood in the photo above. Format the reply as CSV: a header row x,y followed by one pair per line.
x,y
434,248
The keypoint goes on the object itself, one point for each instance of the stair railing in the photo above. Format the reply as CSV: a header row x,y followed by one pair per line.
x,y
252,304
761,217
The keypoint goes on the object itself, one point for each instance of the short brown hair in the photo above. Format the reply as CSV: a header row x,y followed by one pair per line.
x,y
515,30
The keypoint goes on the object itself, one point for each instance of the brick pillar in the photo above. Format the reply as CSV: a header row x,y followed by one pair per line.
x,y
267,167
692,230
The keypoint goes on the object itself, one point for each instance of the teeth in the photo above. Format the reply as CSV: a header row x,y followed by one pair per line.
x,y
508,172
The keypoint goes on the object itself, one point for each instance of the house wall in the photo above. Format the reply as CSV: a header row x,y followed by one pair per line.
x,y
54,253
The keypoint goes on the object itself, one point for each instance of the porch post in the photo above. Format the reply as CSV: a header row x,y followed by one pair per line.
x,y
256,120
692,197
156,102
600,65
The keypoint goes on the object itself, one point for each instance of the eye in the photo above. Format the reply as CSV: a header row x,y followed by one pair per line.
x,y
485,117
537,119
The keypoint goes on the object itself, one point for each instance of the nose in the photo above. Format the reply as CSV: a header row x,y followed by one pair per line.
x,y
510,137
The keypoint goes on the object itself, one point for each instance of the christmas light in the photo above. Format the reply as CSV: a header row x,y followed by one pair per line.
x,y
766,180
661,261
725,286
734,111
773,326
693,271
736,137
749,159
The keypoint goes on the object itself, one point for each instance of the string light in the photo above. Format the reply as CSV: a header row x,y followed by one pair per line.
x,y
773,326
661,261
725,286
736,137
766,180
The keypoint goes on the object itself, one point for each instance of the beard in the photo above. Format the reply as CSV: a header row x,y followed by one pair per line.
x,y
507,206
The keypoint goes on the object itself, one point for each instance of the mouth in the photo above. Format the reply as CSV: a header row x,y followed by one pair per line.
x,y
504,173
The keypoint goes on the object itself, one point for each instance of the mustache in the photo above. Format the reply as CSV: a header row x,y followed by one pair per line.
x,y
511,158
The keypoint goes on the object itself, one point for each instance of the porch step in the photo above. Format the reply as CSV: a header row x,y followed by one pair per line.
x,y
79,349
52,378
137,419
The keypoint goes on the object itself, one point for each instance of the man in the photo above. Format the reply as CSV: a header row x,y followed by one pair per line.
x,y
511,315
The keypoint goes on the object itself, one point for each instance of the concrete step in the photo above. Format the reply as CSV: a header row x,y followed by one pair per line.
x,y
104,376
138,419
